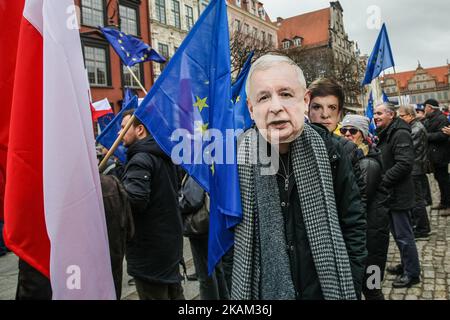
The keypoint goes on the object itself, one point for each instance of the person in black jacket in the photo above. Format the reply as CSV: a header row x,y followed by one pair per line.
x,y
302,235
397,149
435,121
355,128
421,222
156,250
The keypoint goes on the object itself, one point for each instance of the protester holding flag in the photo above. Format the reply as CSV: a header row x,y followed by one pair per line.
x,y
155,252
326,256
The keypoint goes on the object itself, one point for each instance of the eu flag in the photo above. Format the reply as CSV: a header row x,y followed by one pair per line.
x,y
239,97
369,114
130,49
109,134
381,57
188,112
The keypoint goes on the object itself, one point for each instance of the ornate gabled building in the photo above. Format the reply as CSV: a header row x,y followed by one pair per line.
x,y
106,73
317,41
418,85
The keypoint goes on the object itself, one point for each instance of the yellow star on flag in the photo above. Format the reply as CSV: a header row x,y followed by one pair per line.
x,y
202,128
201,103
238,99
120,41
212,169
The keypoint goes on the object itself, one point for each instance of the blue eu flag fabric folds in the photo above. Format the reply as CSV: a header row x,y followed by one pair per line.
x,y
239,97
381,57
369,114
188,112
110,133
130,49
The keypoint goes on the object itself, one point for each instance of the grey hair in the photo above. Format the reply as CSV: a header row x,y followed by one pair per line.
x,y
409,109
389,108
269,60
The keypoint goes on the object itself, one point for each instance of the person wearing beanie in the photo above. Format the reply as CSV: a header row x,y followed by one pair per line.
x,y
355,128
439,147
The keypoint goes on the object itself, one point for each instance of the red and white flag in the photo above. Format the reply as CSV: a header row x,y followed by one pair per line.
x,y
54,215
100,109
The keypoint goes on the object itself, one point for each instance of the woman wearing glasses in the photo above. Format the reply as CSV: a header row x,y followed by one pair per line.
x,y
355,128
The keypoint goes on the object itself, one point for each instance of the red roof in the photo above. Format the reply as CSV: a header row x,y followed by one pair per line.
x,y
313,27
439,73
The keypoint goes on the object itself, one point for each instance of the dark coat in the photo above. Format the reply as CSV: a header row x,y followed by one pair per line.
x,y
349,205
397,150
120,225
420,142
437,140
150,178
377,212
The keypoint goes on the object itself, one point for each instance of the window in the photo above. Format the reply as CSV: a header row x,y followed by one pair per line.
x,y
413,99
96,65
247,29
255,32
189,17
160,6
176,14
263,36
446,95
128,20
286,44
238,3
204,5
439,95
163,49
237,25
426,97
270,39
297,42
92,13
254,7
418,87
128,79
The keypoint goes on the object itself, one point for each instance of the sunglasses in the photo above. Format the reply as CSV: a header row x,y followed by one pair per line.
x,y
352,131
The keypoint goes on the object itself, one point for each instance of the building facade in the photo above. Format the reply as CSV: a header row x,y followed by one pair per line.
x,y
106,73
250,18
317,41
170,22
418,85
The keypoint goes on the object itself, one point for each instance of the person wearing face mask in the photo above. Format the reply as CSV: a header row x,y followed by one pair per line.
x,y
303,230
355,128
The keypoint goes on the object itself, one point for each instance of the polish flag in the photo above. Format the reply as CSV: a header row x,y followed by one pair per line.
x,y
54,215
100,109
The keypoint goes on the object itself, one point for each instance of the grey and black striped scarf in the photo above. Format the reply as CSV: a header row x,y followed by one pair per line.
x,y
261,269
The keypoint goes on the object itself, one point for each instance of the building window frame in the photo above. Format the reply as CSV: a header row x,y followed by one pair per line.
x,y
286,44
189,17
176,12
160,11
133,83
98,44
165,53
133,5
83,15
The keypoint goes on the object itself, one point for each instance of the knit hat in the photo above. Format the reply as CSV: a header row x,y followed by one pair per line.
x,y
359,122
432,103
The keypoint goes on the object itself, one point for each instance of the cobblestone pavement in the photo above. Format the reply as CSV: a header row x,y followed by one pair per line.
x,y
434,256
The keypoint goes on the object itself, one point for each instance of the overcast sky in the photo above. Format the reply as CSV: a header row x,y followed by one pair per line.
x,y
418,29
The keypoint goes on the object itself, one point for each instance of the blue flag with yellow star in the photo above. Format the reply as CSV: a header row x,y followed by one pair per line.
x,y
369,114
381,57
239,97
130,49
110,133
188,112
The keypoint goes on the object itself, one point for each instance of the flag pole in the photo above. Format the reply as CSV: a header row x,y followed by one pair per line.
x,y
103,163
113,148
137,80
